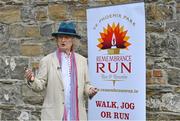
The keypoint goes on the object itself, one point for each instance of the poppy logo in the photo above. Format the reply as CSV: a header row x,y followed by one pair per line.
x,y
113,38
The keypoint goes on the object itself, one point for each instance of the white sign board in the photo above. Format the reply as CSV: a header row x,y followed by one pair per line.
x,y
116,58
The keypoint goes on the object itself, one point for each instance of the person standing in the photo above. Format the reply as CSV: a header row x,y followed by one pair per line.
x,y
64,74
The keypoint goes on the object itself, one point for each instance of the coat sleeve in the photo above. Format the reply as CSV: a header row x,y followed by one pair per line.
x,y
87,82
41,78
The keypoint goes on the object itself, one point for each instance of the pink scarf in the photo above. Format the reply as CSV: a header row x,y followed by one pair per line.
x,y
74,110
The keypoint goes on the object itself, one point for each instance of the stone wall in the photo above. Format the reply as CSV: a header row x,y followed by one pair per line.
x,y
163,59
25,37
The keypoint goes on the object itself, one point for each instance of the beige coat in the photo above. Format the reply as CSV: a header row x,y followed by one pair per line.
x,y
50,76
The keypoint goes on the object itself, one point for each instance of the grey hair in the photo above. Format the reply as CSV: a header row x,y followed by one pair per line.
x,y
76,42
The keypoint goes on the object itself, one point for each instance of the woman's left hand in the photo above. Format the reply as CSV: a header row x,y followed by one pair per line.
x,y
92,91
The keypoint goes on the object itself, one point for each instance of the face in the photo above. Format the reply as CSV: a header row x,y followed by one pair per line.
x,y
65,43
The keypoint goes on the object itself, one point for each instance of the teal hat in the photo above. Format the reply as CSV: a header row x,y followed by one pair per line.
x,y
66,28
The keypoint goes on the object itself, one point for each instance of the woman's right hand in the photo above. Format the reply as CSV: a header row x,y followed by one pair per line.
x,y
29,75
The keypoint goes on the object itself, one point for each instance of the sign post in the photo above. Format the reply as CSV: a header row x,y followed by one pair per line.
x,y
116,57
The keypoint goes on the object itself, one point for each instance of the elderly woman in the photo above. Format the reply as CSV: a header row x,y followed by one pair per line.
x,y
64,74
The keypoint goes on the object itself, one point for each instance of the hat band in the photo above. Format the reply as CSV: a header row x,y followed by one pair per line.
x,y
67,30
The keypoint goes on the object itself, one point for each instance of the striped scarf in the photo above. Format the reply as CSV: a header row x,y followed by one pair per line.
x,y
74,111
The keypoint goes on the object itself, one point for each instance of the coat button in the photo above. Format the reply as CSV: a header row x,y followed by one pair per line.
x,y
63,103
63,90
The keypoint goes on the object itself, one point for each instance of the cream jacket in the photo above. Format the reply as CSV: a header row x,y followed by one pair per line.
x,y
50,77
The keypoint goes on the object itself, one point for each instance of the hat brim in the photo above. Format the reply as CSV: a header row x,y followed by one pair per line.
x,y
55,34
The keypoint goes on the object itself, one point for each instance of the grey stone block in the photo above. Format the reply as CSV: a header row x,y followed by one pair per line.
x,y
46,29
17,67
4,68
16,31
10,94
174,76
31,97
49,46
4,35
9,115
27,13
10,48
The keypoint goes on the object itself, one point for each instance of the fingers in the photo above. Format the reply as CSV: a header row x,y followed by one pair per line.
x,y
29,74
93,91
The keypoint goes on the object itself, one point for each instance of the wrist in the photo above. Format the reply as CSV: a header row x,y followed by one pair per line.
x,y
29,82
31,79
